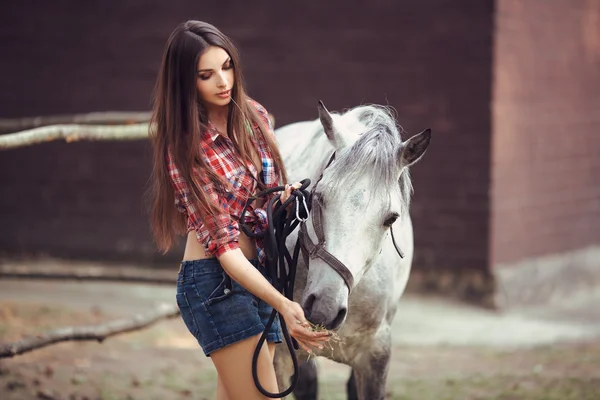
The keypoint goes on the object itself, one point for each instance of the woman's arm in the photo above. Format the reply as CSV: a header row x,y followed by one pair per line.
x,y
239,269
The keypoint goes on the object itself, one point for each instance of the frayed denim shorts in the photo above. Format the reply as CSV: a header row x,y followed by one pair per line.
x,y
217,310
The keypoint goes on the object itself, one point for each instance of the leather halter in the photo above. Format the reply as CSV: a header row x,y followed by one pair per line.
x,y
311,250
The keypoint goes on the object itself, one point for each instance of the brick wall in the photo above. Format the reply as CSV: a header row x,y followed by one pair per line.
x,y
546,141
431,60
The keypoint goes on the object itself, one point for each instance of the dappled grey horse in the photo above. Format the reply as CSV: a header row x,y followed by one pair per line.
x,y
359,164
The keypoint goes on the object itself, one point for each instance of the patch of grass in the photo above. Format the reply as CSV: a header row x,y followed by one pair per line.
x,y
108,394
4,330
174,381
499,387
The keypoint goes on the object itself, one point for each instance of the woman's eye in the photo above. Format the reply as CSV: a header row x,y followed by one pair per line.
x,y
390,220
204,77
229,65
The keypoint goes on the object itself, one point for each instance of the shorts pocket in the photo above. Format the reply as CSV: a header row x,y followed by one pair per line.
x,y
213,287
186,313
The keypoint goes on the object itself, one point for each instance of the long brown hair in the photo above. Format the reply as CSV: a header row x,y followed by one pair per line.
x,y
178,119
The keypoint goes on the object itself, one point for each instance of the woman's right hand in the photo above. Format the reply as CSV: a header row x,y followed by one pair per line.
x,y
299,328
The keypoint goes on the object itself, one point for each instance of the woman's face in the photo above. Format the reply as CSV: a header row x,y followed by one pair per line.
x,y
215,77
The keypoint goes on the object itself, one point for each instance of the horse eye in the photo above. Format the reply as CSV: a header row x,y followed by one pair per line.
x,y
391,219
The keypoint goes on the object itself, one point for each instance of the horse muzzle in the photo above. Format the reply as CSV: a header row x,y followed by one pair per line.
x,y
326,302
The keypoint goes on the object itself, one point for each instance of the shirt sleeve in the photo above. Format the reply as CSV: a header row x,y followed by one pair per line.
x,y
223,230
264,115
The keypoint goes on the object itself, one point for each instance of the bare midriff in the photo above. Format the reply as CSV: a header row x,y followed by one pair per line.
x,y
194,250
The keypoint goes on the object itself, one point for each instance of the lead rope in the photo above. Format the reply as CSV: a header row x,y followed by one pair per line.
x,y
280,225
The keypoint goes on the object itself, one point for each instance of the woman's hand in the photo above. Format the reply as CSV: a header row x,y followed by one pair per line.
x,y
299,327
287,192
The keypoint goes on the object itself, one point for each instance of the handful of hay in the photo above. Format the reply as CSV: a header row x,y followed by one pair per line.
x,y
334,338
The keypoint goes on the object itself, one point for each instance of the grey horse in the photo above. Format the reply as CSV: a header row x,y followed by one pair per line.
x,y
364,195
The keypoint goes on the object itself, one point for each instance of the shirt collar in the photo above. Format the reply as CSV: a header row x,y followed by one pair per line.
x,y
211,133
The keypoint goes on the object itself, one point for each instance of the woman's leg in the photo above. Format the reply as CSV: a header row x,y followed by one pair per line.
x,y
234,365
272,350
222,393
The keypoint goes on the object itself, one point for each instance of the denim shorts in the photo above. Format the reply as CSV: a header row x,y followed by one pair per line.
x,y
217,310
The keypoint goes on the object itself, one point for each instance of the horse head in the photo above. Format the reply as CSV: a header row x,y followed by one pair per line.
x,y
362,193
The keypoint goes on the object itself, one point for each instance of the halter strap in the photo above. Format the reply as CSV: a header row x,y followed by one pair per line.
x,y
312,251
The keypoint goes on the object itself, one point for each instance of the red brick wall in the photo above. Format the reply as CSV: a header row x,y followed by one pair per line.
x,y
546,129
431,60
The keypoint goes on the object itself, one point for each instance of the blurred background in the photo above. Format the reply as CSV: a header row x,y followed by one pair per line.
x,y
506,209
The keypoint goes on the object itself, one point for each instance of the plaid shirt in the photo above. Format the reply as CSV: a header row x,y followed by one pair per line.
x,y
220,232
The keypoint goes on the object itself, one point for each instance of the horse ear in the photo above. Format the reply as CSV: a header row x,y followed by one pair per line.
x,y
413,149
327,122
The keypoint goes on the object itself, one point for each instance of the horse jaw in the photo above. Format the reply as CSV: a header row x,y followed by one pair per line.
x,y
349,239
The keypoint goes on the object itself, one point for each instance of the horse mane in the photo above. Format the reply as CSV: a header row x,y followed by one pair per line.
x,y
374,152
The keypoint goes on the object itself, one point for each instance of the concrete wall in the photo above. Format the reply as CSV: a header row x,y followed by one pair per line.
x,y
546,149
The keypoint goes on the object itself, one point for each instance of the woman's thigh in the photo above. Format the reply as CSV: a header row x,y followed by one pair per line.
x,y
272,350
234,366
221,391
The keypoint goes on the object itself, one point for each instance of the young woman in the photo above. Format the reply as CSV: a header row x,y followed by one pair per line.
x,y
213,148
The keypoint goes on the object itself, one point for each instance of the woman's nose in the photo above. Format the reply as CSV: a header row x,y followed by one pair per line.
x,y
222,81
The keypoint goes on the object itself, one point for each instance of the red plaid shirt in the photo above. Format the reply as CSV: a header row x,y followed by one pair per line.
x,y
220,232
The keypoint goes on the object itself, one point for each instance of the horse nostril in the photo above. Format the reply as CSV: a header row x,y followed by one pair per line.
x,y
308,305
339,318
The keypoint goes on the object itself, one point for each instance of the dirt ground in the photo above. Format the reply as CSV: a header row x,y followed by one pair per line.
x,y
164,362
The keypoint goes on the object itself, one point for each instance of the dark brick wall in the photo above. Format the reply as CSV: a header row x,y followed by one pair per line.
x,y
431,60
546,145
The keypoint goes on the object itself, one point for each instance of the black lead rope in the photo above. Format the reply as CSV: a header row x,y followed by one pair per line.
x,y
280,225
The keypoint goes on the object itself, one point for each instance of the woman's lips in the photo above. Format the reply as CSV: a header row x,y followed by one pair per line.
x,y
225,94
